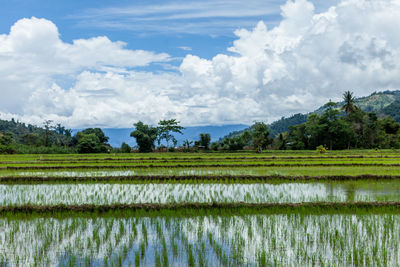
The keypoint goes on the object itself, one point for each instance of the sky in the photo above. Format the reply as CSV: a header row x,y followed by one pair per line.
x,y
111,63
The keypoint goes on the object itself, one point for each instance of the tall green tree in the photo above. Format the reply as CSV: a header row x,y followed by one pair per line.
x,y
187,143
246,137
6,141
125,148
166,128
145,136
32,139
98,132
47,127
349,102
298,137
6,138
89,143
205,140
260,136
281,141
327,122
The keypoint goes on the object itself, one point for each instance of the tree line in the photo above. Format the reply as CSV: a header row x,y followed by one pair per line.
x,y
17,137
342,128
147,135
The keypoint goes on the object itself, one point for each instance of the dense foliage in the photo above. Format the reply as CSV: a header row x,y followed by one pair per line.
x,y
125,148
386,103
336,130
30,135
260,136
393,110
91,140
145,136
17,137
204,141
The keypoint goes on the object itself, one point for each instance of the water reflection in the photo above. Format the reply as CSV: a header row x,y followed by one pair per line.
x,y
72,193
350,191
250,240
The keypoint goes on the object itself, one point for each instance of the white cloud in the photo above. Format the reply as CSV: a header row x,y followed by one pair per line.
x,y
307,59
32,56
185,48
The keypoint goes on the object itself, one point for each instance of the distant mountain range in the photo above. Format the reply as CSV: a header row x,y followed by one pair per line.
x,y
119,135
386,103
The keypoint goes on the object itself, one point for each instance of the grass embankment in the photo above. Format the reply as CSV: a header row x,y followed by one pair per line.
x,y
204,159
188,179
201,209
300,165
213,173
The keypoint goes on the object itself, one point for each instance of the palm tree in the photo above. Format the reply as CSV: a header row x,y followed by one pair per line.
x,y
349,102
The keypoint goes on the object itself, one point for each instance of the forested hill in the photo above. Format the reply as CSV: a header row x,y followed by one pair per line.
x,y
386,103
33,135
378,102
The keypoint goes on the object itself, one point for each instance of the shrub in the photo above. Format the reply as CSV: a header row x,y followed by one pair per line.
x,y
25,149
7,149
125,148
215,146
321,149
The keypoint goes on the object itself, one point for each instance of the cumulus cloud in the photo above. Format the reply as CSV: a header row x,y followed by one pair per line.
x,y
296,66
32,57
306,60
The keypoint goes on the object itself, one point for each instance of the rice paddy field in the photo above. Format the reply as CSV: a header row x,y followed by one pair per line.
x,y
277,208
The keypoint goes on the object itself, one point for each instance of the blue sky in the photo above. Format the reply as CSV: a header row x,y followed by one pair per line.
x,y
205,27
111,63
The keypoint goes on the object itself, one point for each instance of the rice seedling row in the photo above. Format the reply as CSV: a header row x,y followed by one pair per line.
x,y
251,240
108,194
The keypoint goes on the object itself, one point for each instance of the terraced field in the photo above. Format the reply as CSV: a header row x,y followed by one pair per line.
x,y
206,209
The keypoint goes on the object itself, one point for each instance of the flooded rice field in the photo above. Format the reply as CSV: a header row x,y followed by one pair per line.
x,y
312,215
105,193
250,240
